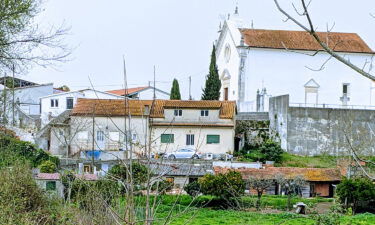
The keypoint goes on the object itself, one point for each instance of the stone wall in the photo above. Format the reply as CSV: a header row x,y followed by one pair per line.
x,y
313,131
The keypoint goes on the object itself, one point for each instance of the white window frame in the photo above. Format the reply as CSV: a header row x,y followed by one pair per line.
x,y
190,139
204,113
177,112
54,103
347,89
100,135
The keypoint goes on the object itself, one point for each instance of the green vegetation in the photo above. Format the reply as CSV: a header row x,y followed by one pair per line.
x,y
175,91
267,150
48,167
212,87
139,173
357,192
12,149
320,161
224,185
193,188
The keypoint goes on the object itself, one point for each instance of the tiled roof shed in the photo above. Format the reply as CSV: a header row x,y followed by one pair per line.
x,y
117,107
302,40
48,176
309,174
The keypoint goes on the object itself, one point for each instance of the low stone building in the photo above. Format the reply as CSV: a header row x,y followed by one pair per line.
x,y
319,181
180,174
51,183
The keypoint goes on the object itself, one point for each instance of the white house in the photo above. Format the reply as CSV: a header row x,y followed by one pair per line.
x,y
25,96
255,64
54,104
206,126
143,93
96,128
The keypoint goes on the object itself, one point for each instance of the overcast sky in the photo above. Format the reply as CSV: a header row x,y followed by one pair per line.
x,y
174,35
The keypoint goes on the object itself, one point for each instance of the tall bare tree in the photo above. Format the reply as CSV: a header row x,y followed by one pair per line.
x,y
23,42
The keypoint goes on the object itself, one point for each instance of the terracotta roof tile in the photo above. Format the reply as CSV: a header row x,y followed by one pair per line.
x,y
301,40
128,91
116,107
310,174
48,176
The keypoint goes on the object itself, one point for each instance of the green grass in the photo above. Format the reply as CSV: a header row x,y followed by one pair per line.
x,y
205,216
320,161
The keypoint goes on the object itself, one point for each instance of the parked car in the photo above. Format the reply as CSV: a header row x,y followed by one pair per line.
x,y
183,153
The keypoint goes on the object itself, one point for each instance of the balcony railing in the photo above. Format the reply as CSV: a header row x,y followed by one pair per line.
x,y
332,106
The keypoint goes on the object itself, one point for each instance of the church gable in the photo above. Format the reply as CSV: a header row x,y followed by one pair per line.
x,y
311,84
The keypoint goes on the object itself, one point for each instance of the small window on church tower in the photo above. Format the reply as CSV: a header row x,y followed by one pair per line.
x,y
227,53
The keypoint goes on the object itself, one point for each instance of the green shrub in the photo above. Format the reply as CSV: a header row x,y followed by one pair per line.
x,y
356,192
139,173
272,151
224,185
162,186
192,188
48,167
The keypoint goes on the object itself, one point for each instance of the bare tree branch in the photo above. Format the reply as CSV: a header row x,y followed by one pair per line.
x,y
312,31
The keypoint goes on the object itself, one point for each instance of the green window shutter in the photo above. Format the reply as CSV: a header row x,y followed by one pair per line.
x,y
213,139
167,138
51,185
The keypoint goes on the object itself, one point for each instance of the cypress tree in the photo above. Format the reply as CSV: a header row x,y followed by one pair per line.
x,y
212,87
175,91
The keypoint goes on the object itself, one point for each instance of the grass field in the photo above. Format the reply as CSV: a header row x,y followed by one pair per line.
x,y
182,214
205,216
320,161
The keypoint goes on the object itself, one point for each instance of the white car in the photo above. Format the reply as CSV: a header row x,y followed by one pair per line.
x,y
183,153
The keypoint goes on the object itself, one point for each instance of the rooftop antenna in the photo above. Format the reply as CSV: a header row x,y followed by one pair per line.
x,y
154,84
252,24
190,88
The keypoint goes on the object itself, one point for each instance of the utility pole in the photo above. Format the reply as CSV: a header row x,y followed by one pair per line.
x,y
4,100
13,121
93,139
154,84
190,88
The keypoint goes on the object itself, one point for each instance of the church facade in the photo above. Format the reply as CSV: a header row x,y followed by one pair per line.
x,y
256,64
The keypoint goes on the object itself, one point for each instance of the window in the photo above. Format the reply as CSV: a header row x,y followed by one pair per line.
x,y
114,136
227,53
51,185
167,138
87,169
178,112
83,135
345,89
190,139
69,103
213,139
204,112
54,103
100,135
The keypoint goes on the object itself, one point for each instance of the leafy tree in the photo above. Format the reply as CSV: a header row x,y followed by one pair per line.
x,y
260,184
47,167
224,185
120,172
353,192
212,87
272,151
22,42
290,186
175,90
193,188
162,186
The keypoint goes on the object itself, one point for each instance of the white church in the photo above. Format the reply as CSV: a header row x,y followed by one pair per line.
x,y
256,64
